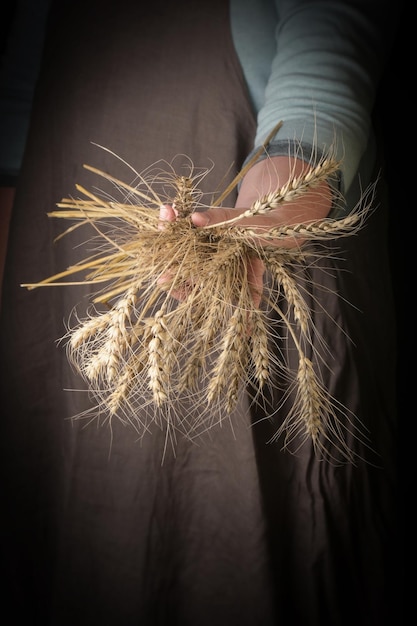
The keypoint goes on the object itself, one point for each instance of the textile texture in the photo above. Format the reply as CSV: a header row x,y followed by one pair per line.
x,y
230,529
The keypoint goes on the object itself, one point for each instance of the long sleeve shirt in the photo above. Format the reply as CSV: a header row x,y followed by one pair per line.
x,y
314,64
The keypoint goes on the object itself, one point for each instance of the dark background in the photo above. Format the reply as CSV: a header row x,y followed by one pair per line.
x,y
394,122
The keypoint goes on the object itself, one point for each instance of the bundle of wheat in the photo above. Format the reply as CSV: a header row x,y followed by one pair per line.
x,y
150,346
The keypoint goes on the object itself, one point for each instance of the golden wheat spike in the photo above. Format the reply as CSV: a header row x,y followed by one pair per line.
x,y
182,328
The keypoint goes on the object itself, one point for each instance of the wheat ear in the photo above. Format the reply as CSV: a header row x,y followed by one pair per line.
x,y
148,350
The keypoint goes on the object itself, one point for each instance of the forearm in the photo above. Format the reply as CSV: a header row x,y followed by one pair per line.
x,y
324,77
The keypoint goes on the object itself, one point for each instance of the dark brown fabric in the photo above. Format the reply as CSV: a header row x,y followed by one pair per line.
x,y
229,531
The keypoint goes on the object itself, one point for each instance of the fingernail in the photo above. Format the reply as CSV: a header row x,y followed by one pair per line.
x,y
163,212
200,219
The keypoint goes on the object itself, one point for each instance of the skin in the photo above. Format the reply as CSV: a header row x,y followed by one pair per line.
x,y
265,176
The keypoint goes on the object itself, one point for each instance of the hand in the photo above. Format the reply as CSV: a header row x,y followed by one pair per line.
x,y
264,177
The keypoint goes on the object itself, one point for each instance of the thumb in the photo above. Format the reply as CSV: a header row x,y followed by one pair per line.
x,y
214,216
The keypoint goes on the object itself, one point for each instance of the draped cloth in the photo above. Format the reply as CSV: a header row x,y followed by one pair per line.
x,y
229,529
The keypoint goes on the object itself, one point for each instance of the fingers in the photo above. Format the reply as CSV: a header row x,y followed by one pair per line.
x,y
255,269
259,224
166,214
214,216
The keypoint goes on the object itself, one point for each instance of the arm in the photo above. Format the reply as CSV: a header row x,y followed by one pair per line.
x,y
322,83
266,176
324,77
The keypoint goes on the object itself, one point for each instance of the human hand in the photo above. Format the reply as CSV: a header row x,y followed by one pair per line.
x,y
263,178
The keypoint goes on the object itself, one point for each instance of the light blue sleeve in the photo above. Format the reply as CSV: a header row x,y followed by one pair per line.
x,y
322,75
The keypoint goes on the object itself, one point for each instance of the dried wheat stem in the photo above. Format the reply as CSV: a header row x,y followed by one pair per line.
x,y
158,372
231,362
133,357
291,292
104,339
95,367
113,349
150,199
259,346
120,394
237,374
294,188
87,210
205,327
118,338
125,383
317,230
183,201
190,372
88,329
312,404
192,368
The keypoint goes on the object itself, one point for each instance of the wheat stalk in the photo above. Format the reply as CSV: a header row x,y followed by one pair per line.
x,y
150,350
294,188
259,348
158,370
230,365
